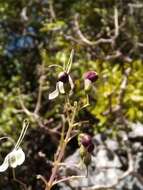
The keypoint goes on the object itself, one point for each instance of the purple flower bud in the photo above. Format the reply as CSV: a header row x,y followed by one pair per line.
x,y
91,75
63,77
90,148
85,140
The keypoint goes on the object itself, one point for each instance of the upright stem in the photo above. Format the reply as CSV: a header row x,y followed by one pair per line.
x,y
62,150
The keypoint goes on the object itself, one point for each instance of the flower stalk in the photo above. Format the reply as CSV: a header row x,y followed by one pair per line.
x,y
62,148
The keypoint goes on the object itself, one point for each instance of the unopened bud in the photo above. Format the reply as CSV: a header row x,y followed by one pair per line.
x,y
89,78
91,75
85,139
90,148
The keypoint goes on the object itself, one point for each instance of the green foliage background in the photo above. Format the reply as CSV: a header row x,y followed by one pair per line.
x,y
54,36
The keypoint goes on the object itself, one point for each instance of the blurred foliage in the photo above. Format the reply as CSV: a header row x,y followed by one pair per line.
x,y
43,32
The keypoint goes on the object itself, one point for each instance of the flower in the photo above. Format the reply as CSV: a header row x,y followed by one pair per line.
x,y
90,148
89,78
63,77
86,141
16,157
64,80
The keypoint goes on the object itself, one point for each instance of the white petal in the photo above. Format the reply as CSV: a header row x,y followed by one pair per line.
x,y
12,160
54,94
20,157
61,87
24,14
16,158
4,165
71,83
87,84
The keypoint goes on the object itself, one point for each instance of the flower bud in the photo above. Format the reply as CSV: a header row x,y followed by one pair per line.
x,y
90,148
63,77
85,140
91,75
89,78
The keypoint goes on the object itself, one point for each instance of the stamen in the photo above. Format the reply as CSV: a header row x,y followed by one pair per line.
x,y
69,64
55,65
23,132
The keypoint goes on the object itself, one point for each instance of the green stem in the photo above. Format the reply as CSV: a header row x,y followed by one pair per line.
x,y
62,150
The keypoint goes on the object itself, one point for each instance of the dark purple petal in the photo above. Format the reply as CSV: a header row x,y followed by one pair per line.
x,y
91,75
90,148
86,140
63,77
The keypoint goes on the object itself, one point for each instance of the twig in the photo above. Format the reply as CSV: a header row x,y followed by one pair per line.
x,y
28,113
38,104
62,149
51,9
17,180
140,44
68,178
121,95
42,178
123,86
84,39
118,54
136,6
116,22
114,55
68,37
36,117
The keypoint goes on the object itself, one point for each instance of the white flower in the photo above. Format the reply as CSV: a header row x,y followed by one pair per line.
x,y
64,79
61,84
16,157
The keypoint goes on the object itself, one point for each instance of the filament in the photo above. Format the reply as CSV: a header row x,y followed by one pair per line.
x,y
69,64
22,134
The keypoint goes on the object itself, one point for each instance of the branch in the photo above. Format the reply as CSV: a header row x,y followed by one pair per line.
x,y
52,11
28,113
123,86
118,54
121,95
61,151
140,44
38,104
36,117
18,181
116,22
68,178
68,37
135,6
84,39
